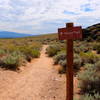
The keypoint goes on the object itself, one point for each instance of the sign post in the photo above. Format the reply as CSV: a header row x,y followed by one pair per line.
x,y
69,33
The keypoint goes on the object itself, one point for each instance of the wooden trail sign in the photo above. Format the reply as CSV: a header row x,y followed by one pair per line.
x,y
69,33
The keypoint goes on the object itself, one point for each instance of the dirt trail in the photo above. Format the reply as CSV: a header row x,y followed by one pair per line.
x,y
37,81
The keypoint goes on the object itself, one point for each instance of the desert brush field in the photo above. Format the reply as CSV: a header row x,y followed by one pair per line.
x,y
33,68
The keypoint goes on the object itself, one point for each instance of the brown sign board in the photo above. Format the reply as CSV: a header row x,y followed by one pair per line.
x,y
70,33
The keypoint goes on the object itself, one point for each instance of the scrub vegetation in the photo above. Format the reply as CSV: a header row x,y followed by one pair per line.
x,y
16,52
86,58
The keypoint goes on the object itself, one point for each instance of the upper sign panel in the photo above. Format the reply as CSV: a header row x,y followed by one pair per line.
x,y
70,33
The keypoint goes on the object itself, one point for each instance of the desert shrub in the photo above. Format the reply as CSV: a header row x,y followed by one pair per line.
x,y
28,47
85,47
59,56
12,61
62,68
89,57
97,66
88,65
77,61
62,63
76,50
52,50
96,96
98,39
80,49
89,39
29,52
89,80
97,47
35,53
2,52
10,48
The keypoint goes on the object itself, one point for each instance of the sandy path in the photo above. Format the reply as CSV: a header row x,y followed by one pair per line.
x,y
37,81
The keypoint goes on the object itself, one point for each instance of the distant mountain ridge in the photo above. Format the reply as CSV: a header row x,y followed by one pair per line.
x,y
92,31
7,34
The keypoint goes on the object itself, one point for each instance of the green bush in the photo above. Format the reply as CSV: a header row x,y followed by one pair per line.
x,y
98,39
12,61
35,53
77,50
77,61
59,56
63,66
97,47
85,47
97,66
30,52
96,96
89,80
89,57
2,52
62,63
10,48
52,50
89,39
88,65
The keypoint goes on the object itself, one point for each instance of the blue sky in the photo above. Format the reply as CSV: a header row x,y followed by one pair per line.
x,y
45,16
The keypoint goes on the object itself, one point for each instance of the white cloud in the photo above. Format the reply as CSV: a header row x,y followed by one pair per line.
x,y
36,16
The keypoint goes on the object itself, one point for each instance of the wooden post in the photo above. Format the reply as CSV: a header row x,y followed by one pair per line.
x,y
69,33
69,69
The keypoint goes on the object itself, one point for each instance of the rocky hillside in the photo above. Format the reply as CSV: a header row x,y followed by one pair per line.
x,y
92,31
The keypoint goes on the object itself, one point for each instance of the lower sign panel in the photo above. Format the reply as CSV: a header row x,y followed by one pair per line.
x,y
70,33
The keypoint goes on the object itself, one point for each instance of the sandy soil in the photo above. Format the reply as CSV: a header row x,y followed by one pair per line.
x,y
37,81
